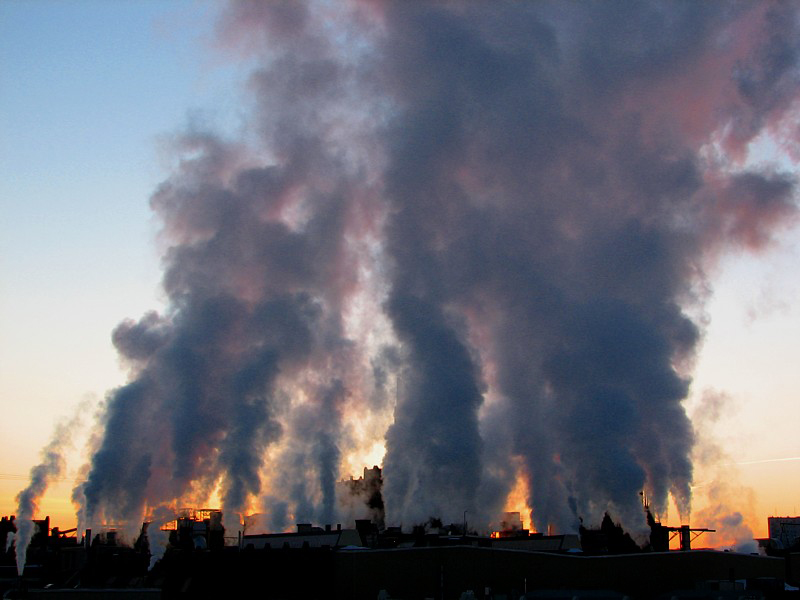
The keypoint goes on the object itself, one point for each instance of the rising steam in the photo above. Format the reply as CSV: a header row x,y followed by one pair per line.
x,y
473,231
49,469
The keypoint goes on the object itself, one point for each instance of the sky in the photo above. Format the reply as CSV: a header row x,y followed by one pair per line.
x,y
126,128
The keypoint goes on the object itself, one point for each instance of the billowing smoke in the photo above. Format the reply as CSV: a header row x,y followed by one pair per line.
x,y
361,498
50,468
474,231
729,507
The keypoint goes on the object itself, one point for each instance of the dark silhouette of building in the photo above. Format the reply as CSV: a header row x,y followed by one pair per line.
x,y
610,538
406,565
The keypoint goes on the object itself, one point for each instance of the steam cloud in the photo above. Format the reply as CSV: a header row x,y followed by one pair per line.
x,y
474,231
50,468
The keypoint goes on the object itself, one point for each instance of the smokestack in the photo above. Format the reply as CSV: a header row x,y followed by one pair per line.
x,y
686,538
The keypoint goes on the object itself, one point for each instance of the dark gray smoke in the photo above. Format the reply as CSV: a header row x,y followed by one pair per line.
x,y
493,220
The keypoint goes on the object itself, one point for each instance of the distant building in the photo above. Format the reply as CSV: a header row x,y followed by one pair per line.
x,y
306,536
7,528
539,543
199,528
332,562
784,531
361,498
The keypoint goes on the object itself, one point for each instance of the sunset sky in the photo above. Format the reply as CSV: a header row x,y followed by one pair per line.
x,y
94,98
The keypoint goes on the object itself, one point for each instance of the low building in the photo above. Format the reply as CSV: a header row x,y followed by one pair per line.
x,y
539,543
306,536
784,531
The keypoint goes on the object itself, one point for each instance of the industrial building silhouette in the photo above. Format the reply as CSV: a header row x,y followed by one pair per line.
x,y
364,560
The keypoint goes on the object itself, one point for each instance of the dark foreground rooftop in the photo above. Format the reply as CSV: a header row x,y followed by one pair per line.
x,y
445,572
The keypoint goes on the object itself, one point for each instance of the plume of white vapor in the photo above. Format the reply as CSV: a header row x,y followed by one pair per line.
x,y
157,538
51,467
511,208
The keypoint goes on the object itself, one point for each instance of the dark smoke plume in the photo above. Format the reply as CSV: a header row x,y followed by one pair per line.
x,y
476,229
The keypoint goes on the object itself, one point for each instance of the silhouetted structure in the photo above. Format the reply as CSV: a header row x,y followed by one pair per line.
x,y
198,528
317,562
660,535
363,496
306,536
7,528
785,532
609,539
